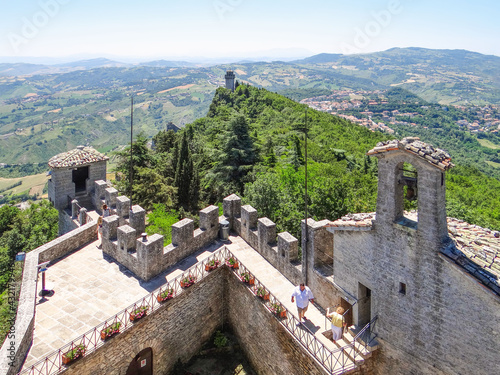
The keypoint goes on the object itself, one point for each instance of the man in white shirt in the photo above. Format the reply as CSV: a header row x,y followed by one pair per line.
x,y
303,295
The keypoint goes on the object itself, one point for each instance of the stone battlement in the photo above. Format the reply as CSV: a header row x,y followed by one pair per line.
x,y
145,256
280,250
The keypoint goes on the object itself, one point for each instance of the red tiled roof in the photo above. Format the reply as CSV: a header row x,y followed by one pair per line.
x,y
475,249
78,157
413,145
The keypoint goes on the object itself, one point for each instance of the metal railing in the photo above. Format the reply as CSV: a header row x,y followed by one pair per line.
x,y
334,362
92,339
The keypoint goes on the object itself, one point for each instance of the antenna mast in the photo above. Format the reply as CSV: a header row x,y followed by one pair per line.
x,y
304,250
131,177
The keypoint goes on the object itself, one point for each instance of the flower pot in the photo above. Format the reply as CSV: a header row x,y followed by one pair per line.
x,y
136,316
79,351
186,284
250,281
282,314
105,336
163,299
234,266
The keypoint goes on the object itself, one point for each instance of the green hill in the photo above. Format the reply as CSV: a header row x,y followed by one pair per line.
x,y
252,143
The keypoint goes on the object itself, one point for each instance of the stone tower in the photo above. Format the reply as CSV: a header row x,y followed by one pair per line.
x,y
73,174
430,165
230,80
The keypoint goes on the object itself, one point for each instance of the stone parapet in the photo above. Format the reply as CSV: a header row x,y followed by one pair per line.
x,y
231,206
137,219
110,195
260,234
123,208
146,257
15,348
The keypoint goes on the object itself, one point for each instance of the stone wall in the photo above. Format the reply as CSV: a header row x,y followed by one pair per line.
x,y
267,345
66,222
280,250
97,171
60,186
433,318
178,330
145,256
64,244
14,350
446,323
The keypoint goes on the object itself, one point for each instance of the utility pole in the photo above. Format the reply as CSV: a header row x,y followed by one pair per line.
x,y
306,232
131,177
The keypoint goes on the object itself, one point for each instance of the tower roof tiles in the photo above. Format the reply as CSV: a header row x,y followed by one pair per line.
x,y
80,156
414,145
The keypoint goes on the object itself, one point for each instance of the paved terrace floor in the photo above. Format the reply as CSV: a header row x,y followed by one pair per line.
x,y
90,287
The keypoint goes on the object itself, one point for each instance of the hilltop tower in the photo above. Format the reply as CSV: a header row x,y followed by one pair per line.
x,y
230,80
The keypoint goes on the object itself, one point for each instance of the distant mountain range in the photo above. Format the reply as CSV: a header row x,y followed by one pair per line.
x,y
19,69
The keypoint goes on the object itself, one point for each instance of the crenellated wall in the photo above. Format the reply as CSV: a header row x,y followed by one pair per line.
x,y
280,250
145,256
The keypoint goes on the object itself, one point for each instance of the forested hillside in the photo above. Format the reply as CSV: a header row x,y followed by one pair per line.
x,y
20,230
252,143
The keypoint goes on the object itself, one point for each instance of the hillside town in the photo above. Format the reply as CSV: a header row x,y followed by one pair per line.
x,y
372,109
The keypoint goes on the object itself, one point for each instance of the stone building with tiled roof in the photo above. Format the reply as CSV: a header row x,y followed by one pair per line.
x,y
73,174
432,281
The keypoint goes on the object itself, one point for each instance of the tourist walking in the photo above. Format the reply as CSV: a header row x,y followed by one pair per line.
x,y
105,210
302,294
338,323
99,231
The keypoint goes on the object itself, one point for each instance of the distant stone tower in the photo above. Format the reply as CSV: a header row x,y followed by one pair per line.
x,y
230,79
73,174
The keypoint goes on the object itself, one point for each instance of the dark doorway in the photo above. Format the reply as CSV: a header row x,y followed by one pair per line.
x,y
80,176
364,305
348,312
142,364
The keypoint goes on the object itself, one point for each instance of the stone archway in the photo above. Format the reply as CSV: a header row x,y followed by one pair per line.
x,y
142,364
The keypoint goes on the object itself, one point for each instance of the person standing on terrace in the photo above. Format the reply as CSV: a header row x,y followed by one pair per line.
x,y
303,295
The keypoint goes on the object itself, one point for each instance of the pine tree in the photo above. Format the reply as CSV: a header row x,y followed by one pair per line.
x,y
186,178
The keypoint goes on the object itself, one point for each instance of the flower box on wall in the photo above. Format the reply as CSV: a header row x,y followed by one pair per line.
x,y
72,355
165,295
187,281
211,265
232,263
247,277
278,310
138,313
261,292
111,330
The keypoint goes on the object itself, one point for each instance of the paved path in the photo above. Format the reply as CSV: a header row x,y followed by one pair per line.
x,y
280,287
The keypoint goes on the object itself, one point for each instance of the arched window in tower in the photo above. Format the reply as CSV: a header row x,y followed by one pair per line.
x,y
408,193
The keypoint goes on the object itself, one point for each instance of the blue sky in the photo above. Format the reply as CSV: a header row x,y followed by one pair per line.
x,y
242,28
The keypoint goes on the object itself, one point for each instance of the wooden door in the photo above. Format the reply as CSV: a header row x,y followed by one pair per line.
x,y
348,311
